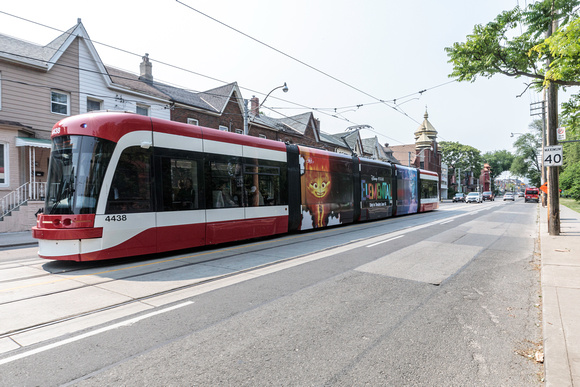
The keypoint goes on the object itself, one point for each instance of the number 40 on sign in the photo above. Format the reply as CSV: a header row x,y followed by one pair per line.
x,y
553,156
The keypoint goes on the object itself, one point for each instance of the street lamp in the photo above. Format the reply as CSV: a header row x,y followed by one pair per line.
x,y
284,88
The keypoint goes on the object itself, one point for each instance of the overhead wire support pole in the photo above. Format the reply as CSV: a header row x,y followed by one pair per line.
x,y
551,139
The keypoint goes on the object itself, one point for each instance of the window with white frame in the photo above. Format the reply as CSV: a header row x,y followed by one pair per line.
x,y
239,131
192,121
142,109
94,104
262,136
4,175
0,90
223,128
59,102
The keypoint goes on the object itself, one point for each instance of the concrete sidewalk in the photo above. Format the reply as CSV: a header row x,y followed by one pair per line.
x,y
561,299
17,239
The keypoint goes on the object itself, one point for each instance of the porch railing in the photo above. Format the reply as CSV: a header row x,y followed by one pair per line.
x,y
21,195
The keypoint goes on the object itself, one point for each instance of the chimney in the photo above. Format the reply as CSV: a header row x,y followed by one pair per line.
x,y
146,70
255,106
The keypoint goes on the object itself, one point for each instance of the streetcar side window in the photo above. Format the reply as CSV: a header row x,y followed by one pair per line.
x,y
262,184
244,182
226,182
180,184
429,189
131,187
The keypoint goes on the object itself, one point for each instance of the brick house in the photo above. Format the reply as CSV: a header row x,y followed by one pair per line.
x,y
302,129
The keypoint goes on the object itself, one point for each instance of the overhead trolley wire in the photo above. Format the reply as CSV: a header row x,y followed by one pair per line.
x,y
338,115
282,52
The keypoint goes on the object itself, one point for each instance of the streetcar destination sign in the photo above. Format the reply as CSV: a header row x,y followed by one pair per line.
x,y
553,156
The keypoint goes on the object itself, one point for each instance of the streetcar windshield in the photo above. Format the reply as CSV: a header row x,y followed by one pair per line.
x,y
76,170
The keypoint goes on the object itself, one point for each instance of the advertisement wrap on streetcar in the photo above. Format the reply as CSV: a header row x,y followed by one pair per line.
x,y
122,184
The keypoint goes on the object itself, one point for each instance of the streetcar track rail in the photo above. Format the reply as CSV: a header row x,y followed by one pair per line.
x,y
144,259
164,292
285,241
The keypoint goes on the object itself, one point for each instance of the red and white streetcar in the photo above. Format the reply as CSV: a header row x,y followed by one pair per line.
x,y
122,184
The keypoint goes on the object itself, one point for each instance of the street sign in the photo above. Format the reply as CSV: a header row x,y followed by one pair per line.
x,y
561,133
553,156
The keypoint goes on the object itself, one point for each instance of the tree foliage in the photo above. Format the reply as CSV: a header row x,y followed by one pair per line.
x,y
465,157
499,161
514,44
489,51
527,162
570,181
570,175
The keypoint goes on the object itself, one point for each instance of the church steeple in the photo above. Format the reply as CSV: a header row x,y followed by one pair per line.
x,y
425,133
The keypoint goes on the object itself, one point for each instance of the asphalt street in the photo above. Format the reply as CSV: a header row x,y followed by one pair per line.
x,y
447,298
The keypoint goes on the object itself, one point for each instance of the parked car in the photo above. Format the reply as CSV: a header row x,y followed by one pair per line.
x,y
459,197
532,195
488,195
473,197
520,194
508,196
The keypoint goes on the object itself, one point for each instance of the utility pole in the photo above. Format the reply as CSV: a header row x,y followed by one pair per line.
x,y
551,139
246,117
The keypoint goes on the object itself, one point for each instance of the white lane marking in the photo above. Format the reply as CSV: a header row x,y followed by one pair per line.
x,y
187,293
447,221
385,241
89,334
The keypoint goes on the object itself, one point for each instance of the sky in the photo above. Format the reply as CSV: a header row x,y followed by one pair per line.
x,y
340,59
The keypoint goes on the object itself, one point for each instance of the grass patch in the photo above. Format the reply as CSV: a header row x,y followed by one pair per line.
x,y
571,203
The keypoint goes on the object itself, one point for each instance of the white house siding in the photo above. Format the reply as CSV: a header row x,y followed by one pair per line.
x,y
96,85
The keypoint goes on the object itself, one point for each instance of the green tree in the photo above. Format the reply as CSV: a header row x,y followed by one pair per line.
x,y
570,173
528,158
499,161
515,45
563,46
570,181
457,155
461,158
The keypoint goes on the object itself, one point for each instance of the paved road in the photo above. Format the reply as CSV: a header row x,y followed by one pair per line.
x,y
447,298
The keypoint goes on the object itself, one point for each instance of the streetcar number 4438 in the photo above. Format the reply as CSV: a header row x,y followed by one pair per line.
x,y
116,218
553,156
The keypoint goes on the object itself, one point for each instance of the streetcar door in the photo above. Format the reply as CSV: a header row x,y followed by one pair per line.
x,y
180,199
179,186
129,216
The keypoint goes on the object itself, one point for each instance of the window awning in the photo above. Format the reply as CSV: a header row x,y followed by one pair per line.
x,y
34,142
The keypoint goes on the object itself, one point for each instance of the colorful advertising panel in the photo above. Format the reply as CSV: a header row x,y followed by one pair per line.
x,y
326,189
376,191
407,191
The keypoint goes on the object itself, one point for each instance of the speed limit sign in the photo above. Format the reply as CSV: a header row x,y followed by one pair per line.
x,y
553,156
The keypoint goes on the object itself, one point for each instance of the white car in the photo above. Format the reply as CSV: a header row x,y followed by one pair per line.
x,y
508,196
473,197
